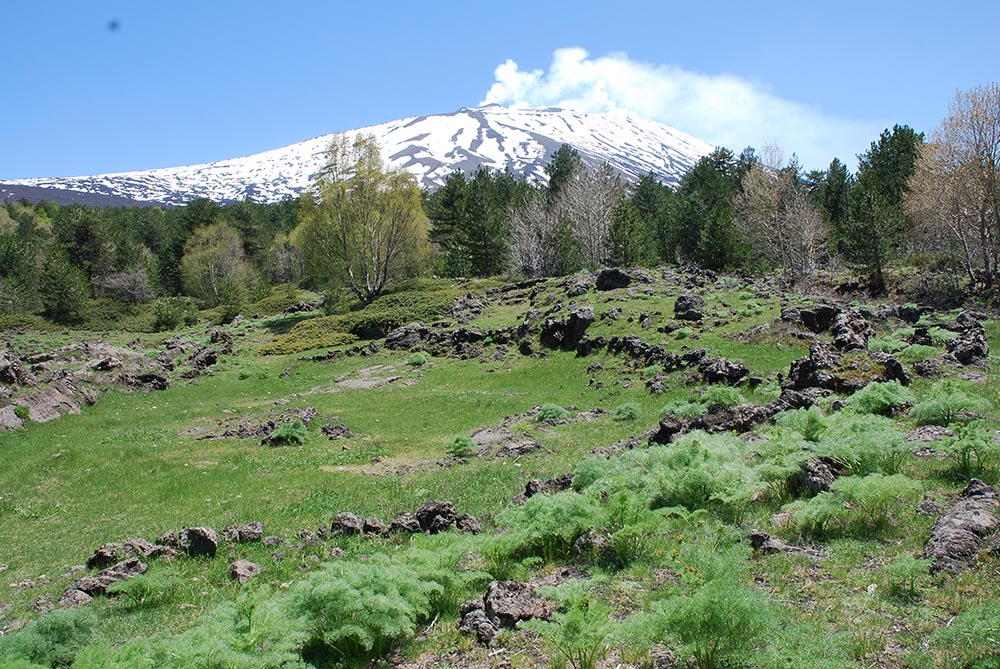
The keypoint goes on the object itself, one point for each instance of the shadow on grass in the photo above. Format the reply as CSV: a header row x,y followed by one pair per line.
x,y
280,325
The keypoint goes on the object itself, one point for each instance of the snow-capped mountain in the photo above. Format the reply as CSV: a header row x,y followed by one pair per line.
x,y
430,147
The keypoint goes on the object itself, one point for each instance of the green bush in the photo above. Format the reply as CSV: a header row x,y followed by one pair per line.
x,y
719,622
461,447
973,450
309,334
22,412
294,433
863,443
697,471
901,577
169,313
147,589
947,403
255,632
725,395
417,359
880,399
362,610
682,333
53,640
579,633
651,371
854,506
546,526
551,412
627,412
699,404
810,423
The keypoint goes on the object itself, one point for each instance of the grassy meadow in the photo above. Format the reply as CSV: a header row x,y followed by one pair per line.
x,y
677,516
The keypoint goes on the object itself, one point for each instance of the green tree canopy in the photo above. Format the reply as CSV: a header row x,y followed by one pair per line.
x,y
368,225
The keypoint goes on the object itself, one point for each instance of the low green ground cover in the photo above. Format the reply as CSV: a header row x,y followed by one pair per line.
x,y
673,570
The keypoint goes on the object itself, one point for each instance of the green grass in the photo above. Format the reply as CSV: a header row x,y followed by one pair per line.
x,y
132,466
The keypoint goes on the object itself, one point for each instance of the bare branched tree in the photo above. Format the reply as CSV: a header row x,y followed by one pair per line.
x,y
955,192
777,219
586,203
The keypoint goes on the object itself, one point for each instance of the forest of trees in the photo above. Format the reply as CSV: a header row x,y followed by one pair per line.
x,y
914,198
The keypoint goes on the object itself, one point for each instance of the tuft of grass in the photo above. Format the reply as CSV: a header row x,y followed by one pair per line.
x,y
551,412
294,433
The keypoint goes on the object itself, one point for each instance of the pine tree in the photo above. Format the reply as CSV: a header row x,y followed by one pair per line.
x,y
876,224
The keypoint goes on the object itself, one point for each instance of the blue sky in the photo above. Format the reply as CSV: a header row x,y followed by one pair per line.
x,y
184,82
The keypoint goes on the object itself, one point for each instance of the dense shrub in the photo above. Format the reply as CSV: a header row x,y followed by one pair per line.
x,y
294,433
881,399
697,471
864,444
52,640
360,610
810,423
255,632
547,525
626,412
551,412
719,622
417,359
947,403
169,313
972,640
699,404
309,334
580,632
973,451
854,506
461,447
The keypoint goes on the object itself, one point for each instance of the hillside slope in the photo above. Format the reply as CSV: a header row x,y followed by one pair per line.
x,y
430,147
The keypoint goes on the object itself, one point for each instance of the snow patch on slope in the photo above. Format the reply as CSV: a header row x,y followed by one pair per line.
x,y
430,147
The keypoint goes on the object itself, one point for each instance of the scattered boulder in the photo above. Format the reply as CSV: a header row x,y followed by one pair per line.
x,y
566,334
612,278
509,602
74,597
738,419
193,541
818,318
535,487
204,358
815,476
959,535
335,431
689,308
467,523
373,526
472,620
435,516
721,370
105,556
144,382
851,331
347,523
764,544
927,368
970,346
407,337
405,522
243,570
244,534
13,372
62,396
896,371
100,582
